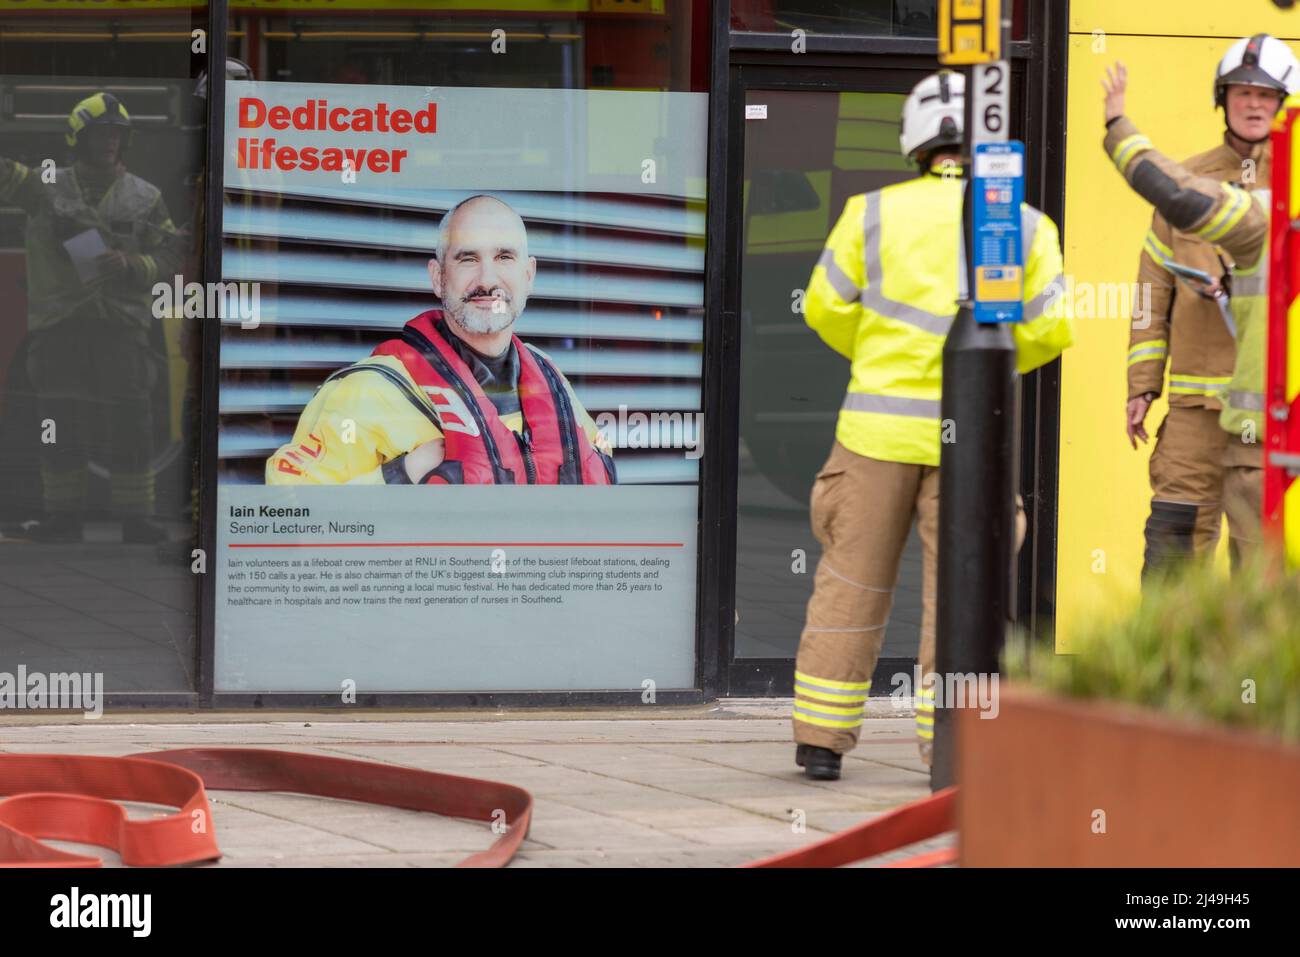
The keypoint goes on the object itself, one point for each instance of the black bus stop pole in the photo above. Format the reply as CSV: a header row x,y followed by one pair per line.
x,y
977,476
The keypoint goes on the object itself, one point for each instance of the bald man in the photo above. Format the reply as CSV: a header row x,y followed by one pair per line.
x,y
457,398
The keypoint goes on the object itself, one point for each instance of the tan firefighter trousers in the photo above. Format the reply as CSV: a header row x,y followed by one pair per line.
x,y
1187,472
862,511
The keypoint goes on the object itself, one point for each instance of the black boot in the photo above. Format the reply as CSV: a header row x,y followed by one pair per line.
x,y
820,764
56,529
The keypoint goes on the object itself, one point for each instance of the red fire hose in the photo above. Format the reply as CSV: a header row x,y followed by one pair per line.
x,y
928,817
75,798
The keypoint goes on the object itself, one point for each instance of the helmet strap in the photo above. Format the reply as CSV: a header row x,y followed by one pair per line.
x,y
1227,124
1237,136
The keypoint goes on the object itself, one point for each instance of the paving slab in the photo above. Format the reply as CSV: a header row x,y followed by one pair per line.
x,y
693,786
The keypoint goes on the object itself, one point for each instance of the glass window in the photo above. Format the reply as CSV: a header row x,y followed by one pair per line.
x,y
102,140
898,18
875,18
460,393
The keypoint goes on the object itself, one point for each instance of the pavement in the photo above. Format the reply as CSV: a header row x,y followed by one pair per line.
x,y
696,786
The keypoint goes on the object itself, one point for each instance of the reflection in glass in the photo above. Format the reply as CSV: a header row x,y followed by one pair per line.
x,y
812,152
899,18
101,149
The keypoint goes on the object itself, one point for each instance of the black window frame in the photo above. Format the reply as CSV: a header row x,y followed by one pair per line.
x,y
1039,68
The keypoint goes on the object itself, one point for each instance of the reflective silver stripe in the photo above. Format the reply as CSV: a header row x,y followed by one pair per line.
x,y
1046,299
844,286
1256,284
843,719
891,405
858,694
1247,401
1035,307
873,297
1029,218
823,563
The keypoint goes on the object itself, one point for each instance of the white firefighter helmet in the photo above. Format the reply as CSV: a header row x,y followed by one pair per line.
x,y
1261,60
933,112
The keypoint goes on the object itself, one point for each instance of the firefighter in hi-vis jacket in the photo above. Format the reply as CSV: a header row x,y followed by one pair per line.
x,y
98,238
1237,220
883,295
457,397
1188,324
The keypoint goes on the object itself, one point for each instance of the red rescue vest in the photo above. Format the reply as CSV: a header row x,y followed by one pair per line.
x,y
480,448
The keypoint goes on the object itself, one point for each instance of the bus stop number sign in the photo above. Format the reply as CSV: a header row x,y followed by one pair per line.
x,y
999,191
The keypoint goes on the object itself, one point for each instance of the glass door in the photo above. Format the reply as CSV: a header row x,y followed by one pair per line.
x,y
806,151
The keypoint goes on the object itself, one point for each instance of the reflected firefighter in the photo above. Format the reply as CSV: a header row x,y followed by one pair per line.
x,y
98,238
457,398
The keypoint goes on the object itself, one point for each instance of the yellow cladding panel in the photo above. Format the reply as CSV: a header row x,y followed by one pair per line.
x,y
1207,18
1105,491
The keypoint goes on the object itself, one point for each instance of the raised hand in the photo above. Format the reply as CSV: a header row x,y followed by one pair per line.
x,y
1115,84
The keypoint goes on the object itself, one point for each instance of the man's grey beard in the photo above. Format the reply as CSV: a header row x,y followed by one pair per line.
x,y
475,322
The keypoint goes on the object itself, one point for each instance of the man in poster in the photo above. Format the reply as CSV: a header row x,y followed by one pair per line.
x,y
457,398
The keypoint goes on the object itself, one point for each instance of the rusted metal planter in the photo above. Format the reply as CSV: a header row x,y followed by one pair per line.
x,y
1056,782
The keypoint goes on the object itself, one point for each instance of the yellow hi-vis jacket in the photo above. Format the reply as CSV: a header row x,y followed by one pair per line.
x,y
884,294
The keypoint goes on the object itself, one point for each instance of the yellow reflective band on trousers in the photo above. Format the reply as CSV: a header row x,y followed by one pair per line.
x,y
830,689
925,698
1152,350
829,703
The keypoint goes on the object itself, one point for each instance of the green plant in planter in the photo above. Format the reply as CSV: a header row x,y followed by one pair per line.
x,y
1201,645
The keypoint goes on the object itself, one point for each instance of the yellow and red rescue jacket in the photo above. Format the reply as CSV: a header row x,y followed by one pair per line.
x,y
417,387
